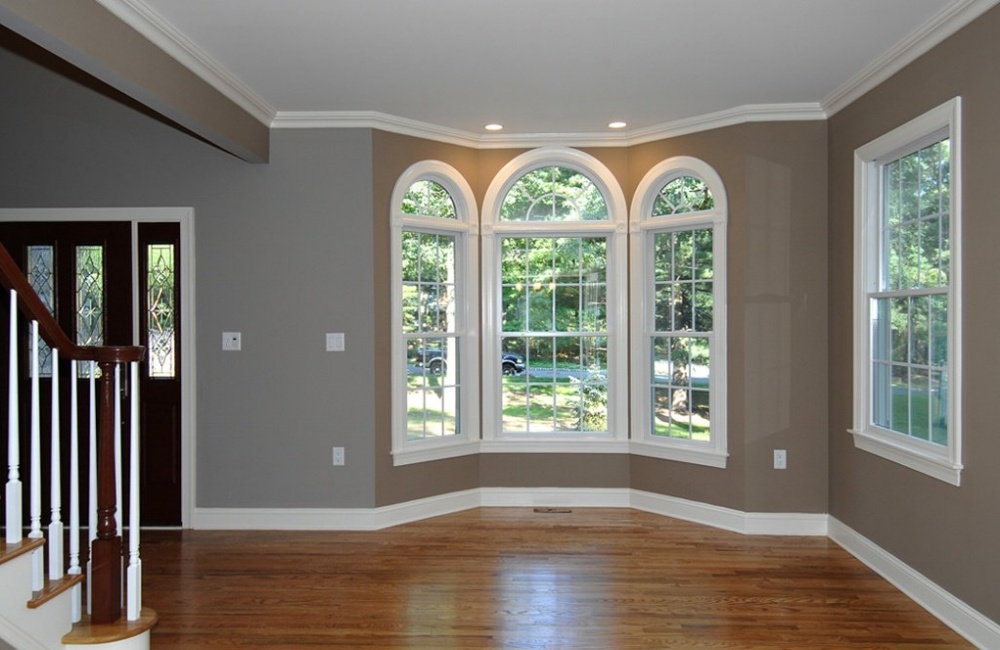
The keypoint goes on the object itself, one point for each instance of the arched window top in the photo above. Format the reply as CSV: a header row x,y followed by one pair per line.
x,y
682,194
433,194
679,187
428,198
554,193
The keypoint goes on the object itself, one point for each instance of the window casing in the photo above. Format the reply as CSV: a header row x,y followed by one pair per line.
x,y
907,366
678,272
554,293
435,388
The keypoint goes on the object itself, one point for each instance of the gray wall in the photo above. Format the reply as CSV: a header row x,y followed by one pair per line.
x,y
283,255
950,534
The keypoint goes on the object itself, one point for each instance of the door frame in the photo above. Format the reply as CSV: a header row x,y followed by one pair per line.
x,y
184,217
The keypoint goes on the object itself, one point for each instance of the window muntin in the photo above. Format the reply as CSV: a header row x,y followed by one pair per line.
x,y
554,286
679,323
435,400
907,334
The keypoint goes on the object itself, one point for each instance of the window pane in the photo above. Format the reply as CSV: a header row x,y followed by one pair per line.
x,y
41,277
684,194
161,310
554,194
429,199
428,291
681,401
433,387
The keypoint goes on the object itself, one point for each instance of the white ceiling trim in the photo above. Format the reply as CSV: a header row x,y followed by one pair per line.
x,y
140,17
949,20
165,36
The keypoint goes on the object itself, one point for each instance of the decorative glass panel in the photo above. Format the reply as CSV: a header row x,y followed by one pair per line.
x,y
554,194
161,306
684,194
90,295
429,199
41,277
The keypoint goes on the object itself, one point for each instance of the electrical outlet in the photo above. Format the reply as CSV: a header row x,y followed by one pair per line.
x,y
780,459
338,456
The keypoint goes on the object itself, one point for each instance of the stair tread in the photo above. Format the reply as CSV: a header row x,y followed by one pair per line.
x,y
10,551
52,589
87,633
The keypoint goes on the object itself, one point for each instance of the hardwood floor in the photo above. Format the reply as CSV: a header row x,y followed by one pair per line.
x,y
513,578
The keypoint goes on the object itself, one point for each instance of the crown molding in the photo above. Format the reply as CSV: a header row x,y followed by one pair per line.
x,y
137,15
403,126
144,20
949,20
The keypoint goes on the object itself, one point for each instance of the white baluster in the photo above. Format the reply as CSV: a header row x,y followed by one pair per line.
x,y
55,541
14,499
92,476
37,557
119,516
134,586
74,491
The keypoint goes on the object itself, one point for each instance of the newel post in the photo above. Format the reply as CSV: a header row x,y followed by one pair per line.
x,y
106,549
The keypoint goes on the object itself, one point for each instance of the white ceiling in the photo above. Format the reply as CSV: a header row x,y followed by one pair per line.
x,y
545,66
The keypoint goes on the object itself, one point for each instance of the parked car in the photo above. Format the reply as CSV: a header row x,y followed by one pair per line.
x,y
511,363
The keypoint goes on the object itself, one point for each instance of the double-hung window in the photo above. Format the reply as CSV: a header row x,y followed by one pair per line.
x,y
679,314
434,356
554,247
907,264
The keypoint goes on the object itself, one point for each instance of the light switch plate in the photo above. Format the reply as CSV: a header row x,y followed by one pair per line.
x,y
335,342
231,341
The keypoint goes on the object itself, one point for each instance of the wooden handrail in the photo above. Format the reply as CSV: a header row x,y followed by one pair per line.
x,y
106,549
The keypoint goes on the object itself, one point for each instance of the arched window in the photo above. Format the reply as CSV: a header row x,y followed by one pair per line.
x,y
435,369
679,313
554,322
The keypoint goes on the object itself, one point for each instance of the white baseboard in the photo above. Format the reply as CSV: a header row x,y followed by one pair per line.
x,y
954,613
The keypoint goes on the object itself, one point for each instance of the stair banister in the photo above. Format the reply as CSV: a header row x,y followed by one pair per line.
x,y
106,553
13,500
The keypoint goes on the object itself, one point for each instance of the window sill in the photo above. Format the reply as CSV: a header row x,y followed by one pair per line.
x,y
695,456
932,465
436,451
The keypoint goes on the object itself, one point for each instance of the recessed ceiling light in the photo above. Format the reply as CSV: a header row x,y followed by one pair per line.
x,y
493,127
617,125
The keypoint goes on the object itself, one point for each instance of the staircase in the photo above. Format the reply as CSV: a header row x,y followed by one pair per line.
x,y
46,609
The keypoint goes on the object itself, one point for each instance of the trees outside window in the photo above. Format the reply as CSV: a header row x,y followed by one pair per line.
x,y
435,369
678,314
554,294
907,330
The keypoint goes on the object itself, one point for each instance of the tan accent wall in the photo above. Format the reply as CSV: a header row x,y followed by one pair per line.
x,y
949,534
775,176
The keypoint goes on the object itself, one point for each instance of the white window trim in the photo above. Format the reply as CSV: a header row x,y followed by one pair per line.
x,y
405,451
643,226
616,439
943,463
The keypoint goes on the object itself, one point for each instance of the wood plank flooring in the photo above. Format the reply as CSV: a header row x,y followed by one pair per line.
x,y
601,579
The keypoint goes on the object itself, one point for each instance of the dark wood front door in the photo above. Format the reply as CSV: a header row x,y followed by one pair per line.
x,y
84,272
